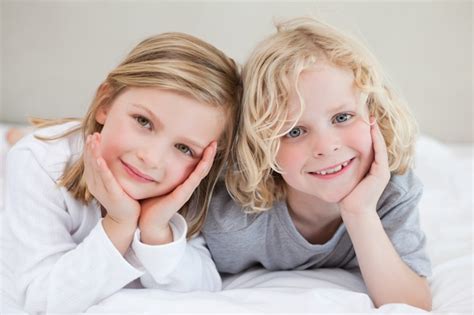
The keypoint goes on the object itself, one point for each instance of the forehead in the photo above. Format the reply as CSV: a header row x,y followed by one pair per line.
x,y
324,78
324,86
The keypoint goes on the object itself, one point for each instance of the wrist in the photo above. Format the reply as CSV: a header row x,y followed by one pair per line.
x,y
155,235
120,233
357,217
121,222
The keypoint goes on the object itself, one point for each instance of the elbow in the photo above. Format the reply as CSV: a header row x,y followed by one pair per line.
x,y
425,301
424,304
427,306
421,299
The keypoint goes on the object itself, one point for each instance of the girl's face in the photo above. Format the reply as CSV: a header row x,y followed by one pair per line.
x,y
152,139
329,150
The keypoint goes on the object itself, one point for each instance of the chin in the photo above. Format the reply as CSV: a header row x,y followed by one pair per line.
x,y
133,196
336,198
132,193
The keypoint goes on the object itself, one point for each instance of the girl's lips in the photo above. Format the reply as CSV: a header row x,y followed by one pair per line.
x,y
333,175
136,174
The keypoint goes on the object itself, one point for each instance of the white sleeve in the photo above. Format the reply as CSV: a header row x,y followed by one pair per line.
x,y
54,272
180,265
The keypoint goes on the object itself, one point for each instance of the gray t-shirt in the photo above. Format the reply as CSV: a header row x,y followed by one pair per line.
x,y
238,241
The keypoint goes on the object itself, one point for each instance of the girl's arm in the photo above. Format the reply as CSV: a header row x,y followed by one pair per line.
x,y
62,258
180,265
388,278
185,266
121,220
157,212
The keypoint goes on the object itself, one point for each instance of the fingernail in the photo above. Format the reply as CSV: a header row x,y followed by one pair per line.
x,y
99,162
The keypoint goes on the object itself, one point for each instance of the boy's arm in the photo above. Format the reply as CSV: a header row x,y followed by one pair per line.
x,y
388,278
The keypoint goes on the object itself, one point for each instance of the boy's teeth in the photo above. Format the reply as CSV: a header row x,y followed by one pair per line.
x,y
333,170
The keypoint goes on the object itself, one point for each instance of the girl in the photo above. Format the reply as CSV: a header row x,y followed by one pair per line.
x,y
322,166
91,205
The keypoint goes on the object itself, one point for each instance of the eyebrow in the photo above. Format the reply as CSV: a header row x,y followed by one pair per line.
x,y
149,112
156,119
343,106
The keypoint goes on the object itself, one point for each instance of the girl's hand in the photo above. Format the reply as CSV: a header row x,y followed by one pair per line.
x,y
364,197
156,212
103,186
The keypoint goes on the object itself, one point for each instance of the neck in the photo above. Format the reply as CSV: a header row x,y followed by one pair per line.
x,y
315,219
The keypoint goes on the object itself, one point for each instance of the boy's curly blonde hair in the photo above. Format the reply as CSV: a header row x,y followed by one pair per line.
x,y
269,77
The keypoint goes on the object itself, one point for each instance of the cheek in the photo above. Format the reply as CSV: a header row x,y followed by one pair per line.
x,y
361,138
288,158
283,157
111,146
180,170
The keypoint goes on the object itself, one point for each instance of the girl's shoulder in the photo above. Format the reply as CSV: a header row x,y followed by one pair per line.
x,y
51,155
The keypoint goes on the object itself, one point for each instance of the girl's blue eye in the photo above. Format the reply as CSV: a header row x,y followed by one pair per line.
x,y
343,117
143,121
295,132
184,149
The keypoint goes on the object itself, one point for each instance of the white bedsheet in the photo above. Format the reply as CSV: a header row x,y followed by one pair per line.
x,y
446,216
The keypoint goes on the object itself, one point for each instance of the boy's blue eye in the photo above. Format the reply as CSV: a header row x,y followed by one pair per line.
x,y
184,149
143,121
343,117
295,132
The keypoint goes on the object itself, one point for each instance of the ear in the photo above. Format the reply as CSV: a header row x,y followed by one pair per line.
x,y
102,111
101,114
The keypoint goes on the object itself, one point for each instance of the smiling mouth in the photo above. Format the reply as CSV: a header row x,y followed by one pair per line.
x,y
334,169
136,174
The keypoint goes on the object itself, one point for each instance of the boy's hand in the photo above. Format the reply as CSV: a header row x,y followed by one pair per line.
x,y
364,197
103,186
156,212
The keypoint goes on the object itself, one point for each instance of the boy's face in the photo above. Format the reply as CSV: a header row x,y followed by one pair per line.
x,y
152,139
329,150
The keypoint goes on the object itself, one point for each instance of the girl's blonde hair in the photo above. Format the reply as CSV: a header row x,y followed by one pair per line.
x,y
177,62
271,75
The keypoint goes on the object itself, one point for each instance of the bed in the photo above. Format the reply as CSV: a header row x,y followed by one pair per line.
x,y
446,217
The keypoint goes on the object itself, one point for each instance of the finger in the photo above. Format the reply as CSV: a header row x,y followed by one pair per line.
x,y
184,191
95,163
380,148
208,158
89,168
104,175
107,179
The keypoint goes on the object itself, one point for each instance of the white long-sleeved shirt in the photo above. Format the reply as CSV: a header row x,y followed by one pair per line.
x,y
62,257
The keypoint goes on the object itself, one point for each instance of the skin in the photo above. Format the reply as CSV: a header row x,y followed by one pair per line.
x,y
335,129
153,151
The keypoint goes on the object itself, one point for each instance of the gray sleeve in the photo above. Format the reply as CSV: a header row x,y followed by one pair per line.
x,y
400,219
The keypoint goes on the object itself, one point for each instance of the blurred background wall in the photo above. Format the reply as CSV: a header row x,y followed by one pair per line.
x,y
54,54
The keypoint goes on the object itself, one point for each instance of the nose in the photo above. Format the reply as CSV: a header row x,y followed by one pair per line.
x,y
153,159
325,143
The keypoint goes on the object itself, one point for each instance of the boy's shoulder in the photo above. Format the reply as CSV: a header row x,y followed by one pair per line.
x,y
51,155
405,183
225,214
400,189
